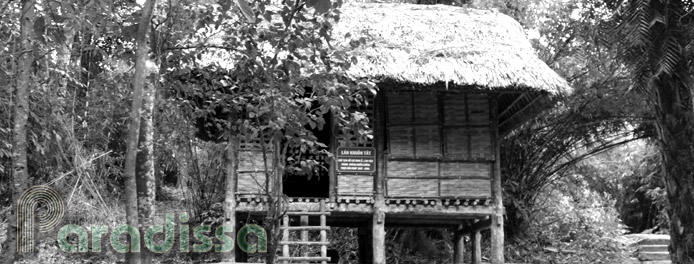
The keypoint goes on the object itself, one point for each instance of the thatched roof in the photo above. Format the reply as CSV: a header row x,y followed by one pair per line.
x,y
425,44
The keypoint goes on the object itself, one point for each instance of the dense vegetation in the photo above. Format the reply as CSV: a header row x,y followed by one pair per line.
x,y
85,83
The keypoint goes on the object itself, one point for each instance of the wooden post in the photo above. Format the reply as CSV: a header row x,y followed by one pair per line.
x,y
323,233
303,221
285,238
476,253
458,246
378,233
378,230
497,228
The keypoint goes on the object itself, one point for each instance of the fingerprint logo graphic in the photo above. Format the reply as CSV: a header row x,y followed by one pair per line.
x,y
48,218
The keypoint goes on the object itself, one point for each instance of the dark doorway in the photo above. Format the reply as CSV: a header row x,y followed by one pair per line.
x,y
315,183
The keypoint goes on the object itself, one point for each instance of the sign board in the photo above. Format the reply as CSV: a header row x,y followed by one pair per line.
x,y
356,160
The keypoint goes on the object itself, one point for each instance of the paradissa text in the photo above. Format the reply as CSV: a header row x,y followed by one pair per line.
x,y
201,234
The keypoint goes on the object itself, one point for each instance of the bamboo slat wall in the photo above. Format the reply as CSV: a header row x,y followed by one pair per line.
x,y
440,144
251,171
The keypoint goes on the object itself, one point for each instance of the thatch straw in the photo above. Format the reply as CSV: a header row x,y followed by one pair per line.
x,y
424,44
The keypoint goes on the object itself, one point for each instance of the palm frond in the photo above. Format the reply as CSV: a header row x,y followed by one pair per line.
x,y
670,57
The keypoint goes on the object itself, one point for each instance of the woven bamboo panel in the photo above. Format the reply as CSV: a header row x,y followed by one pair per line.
x,y
426,109
413,187
454,109
457,169
400,108
481,143
355,185
466,188
251,182
428,141
478,105
457,143
253,161
401,141
413,169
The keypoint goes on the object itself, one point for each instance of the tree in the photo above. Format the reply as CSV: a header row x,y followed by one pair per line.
x,y
572,39
142,70
20,175
658,45
284,80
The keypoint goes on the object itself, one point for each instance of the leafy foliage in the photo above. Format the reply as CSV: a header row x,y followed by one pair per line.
x,y
642,201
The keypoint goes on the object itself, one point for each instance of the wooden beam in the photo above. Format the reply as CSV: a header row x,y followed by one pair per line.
x,y
293,259
510,106
476,227
305,228
521,110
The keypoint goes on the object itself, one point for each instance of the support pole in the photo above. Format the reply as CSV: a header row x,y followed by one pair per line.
x,y
285,238
476,253
378,230
303,221
458,246
323,232
497,228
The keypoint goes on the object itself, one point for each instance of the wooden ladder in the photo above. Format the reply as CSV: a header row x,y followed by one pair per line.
x,y
304,228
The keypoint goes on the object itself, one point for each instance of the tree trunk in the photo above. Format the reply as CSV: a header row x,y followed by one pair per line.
x,y
20,178
671,95
145,167
64,65
131,206
230,194
273,186
675,121
182,164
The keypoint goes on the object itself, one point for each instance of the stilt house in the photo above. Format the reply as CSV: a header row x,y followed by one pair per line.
x,y
451,82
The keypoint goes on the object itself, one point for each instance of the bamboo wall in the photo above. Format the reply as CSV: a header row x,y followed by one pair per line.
x,y
251,170
439,144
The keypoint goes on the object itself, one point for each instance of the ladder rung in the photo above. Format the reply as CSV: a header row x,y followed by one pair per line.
x,y
304,258
305,243
306,213
301,228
